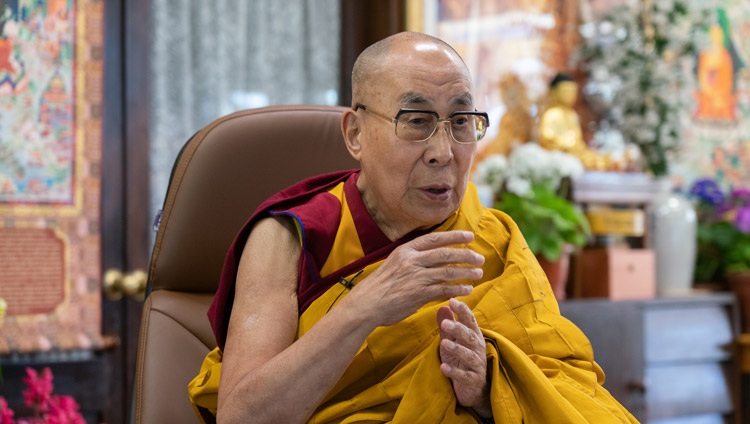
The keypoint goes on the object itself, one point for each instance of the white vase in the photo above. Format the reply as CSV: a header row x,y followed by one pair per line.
x,y
673,223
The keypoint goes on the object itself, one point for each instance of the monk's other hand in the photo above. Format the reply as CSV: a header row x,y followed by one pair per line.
x,y
463,356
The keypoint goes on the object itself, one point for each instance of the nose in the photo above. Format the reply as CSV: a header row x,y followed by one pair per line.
x,y
440,145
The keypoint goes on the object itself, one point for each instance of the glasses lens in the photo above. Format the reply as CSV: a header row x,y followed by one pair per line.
x,y
465,128
468,128
415,126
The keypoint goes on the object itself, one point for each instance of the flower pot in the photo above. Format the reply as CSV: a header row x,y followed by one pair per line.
x,y
557,273
739,282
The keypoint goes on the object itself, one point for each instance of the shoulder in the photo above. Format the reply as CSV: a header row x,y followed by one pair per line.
x,y
273,231
268,265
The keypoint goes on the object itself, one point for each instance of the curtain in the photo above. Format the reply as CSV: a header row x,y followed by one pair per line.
x,y
210,58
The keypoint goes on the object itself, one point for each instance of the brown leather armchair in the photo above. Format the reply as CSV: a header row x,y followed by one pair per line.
x,y
219,178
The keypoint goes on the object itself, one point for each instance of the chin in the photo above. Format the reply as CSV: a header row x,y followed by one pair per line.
x,y
436,216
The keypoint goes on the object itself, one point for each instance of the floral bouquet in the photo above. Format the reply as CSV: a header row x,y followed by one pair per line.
x,y
723,230
48,408
636,56
530,186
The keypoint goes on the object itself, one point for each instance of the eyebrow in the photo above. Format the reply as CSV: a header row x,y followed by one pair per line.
x,y
416,98
412,98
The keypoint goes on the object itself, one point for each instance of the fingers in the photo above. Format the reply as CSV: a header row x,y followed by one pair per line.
x,y
462,339
444,313
450,255
431,261
463,353
423,270
436,251
442,274
465,316
446,263
466,369
441,239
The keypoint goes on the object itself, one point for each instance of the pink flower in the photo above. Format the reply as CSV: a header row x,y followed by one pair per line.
x,y
48,409
63,410
6,414
39,389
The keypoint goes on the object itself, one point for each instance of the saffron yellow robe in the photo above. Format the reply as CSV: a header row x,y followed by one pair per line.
x,y
541,366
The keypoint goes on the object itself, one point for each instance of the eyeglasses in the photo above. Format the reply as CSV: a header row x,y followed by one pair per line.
x,y
419,125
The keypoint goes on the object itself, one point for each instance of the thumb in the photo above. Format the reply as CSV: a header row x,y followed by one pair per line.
x,y
443,313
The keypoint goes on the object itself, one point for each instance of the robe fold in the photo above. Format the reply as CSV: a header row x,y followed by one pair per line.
x,y
541,366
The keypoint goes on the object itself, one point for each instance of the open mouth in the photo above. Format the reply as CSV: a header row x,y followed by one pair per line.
x,y
437,190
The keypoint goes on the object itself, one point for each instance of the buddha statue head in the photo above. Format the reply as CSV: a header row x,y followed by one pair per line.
x,y
563,90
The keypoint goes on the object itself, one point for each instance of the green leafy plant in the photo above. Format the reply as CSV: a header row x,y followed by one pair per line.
x,y
547,221
529,187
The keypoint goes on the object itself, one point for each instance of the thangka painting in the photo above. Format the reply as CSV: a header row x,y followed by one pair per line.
x,y
50,163
717,142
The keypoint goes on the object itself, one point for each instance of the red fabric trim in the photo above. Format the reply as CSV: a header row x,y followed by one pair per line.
x,y
221,307
371,237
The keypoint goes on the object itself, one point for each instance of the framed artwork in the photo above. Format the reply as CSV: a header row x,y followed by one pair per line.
x,y
717,140
51,91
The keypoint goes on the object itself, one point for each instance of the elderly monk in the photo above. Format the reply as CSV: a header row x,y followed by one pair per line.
x,y
390,294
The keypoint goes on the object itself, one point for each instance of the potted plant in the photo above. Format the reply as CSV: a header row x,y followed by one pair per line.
x,y
724,239
530,186
723,231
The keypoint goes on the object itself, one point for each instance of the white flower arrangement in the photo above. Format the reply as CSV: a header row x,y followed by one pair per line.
x,y
492,172
527,187
637,58
529,164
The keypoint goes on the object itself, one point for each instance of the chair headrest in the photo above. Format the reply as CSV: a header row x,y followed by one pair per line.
x,y
224,172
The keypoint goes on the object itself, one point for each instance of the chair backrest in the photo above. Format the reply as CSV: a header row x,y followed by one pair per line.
x,y
222,174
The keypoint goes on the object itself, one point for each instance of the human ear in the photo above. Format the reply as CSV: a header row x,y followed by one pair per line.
x,y
351,130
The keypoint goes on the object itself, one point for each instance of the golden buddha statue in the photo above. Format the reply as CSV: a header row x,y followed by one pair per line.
x,y
516,125
560,127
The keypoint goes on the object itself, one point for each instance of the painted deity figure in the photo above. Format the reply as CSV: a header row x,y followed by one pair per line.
x,y
716,98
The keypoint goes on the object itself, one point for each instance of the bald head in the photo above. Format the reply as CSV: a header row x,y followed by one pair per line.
x,y
381,57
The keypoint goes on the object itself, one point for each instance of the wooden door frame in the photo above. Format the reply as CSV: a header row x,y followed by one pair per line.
x,y
125,185
364,22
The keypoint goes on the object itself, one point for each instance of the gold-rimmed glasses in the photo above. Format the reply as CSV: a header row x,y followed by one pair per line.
x,y
465,127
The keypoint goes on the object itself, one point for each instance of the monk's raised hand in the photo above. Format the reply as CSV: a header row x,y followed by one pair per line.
x,y
423,270
463,356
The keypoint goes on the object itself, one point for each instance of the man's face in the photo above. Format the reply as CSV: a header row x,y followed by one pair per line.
x,y
405,184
